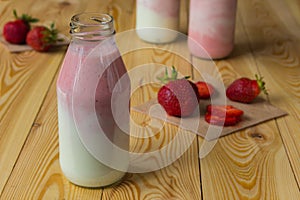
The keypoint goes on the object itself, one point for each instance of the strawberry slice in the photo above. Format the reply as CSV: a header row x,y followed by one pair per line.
x,y
221,121
223,115
222,110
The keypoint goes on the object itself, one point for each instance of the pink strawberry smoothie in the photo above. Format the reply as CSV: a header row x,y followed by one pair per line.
x,y
211,26
77,163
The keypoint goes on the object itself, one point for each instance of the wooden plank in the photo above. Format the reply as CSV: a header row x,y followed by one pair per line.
x,y
181,179
295,6
141,186
184,16
123,12
37,173
173,177
23,88
278,60
249,164
25,81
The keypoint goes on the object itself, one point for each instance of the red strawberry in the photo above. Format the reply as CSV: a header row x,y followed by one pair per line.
x,y
205,90
245,90
15,31
178,97
221,121
41,38
224,110
223,115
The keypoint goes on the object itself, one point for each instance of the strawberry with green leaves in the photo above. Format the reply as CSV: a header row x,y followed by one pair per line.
x,y
15,32
42,38
245,90
179,97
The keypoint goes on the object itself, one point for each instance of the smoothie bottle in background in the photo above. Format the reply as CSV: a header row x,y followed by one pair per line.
x,y
157,21
211,27
88,80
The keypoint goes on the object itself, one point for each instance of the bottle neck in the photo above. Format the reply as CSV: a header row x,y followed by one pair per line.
x,y
91,26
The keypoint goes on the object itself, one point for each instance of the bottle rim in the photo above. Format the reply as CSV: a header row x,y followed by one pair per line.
x,y
91,24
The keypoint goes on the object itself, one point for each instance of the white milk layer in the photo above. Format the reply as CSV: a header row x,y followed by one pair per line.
x,y
154,27
77,164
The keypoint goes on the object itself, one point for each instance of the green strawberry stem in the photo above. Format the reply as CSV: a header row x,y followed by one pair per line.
x,y
261,84
51,35
28,19
174,74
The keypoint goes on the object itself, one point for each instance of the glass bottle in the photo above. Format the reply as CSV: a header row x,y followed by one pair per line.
x,y
211,28
157,21
87,86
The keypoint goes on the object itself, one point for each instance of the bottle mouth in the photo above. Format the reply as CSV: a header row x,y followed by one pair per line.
x,y
91,25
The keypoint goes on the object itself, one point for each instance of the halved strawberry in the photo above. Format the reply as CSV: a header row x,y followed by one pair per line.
x,y
206,90
179,97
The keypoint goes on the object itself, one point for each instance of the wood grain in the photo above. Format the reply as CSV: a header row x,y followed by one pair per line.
x,y
180,180
145,62
18,107
184,16
37,173
250,164
260,162
25,79
278,61
43,179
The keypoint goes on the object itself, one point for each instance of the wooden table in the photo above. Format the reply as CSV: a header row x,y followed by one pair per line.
x,y
260,162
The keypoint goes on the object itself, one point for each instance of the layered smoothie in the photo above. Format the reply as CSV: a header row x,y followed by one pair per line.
x,y
78,164
211,28
157,21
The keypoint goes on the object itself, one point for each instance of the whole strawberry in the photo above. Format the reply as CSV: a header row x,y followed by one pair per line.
x,y
178,97
15,31
42,38
245,90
